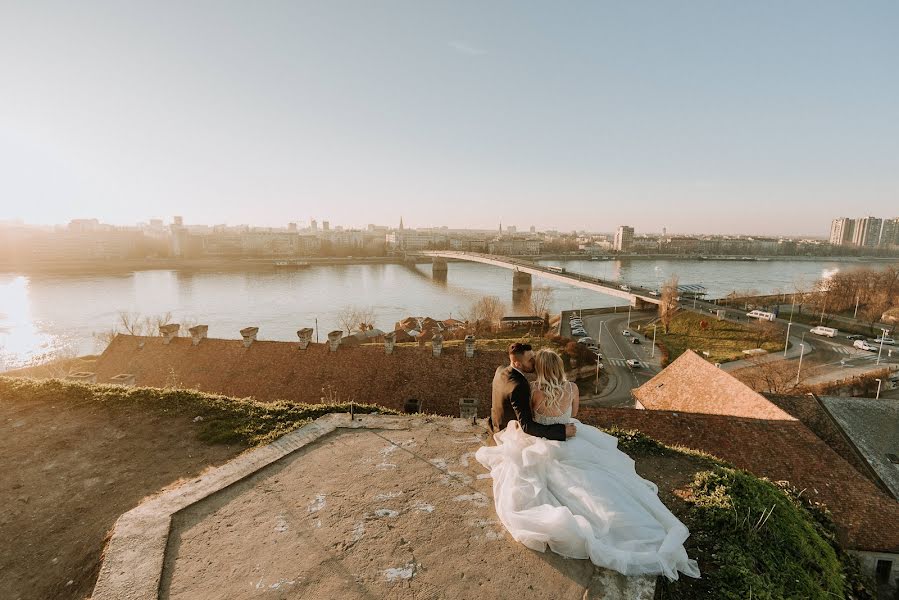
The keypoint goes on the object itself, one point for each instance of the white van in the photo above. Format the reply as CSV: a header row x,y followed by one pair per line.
x,y
761,315
825,331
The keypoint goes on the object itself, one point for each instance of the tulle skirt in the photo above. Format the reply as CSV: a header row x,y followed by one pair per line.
x,y
583,499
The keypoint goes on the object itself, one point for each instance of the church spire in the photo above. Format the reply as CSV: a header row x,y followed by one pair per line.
x,y
401,223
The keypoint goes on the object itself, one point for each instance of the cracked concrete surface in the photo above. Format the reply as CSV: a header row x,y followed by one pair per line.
x,y
370,512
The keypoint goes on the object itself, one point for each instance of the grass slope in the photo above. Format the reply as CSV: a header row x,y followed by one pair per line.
x,y
753,538
723,340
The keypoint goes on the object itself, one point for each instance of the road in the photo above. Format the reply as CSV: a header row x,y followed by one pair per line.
x,y
837,352
615,349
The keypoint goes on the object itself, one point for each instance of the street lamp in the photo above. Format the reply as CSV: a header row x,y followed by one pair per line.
x,y
877,396
799,370
787,342
855,314
653,353
883,334
628,315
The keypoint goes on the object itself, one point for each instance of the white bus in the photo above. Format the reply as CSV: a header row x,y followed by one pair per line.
x,y
761,315
556,269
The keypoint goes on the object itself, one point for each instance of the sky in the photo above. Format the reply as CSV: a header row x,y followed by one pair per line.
x,y
698,116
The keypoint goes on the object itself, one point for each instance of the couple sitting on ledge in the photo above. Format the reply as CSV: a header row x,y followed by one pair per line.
x,y
560,483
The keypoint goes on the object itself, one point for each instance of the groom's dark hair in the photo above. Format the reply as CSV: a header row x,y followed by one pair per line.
x,y
518,349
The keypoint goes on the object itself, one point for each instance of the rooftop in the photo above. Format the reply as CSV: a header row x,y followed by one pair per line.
x,y
692,384
873,427
270,370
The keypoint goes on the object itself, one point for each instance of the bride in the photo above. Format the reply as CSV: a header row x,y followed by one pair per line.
x,y
581,497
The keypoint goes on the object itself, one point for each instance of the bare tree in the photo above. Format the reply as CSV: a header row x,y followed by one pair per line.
x,y
360,318
485,313
541,300
765,331
132,323
770,376
668,305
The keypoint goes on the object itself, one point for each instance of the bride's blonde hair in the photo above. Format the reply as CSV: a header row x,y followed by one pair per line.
x,y
550,373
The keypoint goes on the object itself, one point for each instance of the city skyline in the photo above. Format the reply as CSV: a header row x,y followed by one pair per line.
x,y
734,119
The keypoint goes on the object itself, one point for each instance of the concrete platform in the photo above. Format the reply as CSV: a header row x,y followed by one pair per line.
x,y
380,507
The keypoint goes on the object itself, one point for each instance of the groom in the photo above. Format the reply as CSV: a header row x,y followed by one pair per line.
x,y
512,398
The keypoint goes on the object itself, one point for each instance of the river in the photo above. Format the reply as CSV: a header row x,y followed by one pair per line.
x,y
45,316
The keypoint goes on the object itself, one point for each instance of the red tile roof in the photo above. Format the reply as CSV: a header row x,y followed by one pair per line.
x,y
692,384
779,449
269,370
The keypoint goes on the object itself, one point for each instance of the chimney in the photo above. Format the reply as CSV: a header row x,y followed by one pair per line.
x,y
82,377
169,332
123,379
469,346
198,332
437,344
468,408
305,335
389,342
249,335
334,339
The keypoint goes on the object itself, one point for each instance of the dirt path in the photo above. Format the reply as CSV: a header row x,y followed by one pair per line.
x,y
67,472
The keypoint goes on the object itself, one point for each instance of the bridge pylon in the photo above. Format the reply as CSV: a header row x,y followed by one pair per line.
x,y
521,282
439,268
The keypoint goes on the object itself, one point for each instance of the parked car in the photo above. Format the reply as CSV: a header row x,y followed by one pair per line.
x,y
635,340
626,333
633,363
579,334
855,336
585,340
885,340
864,345
595,349
625,287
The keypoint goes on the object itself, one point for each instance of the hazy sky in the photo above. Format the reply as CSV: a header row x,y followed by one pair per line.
x,y
768,117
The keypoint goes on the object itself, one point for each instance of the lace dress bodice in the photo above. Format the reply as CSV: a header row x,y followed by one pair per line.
x,y
564,417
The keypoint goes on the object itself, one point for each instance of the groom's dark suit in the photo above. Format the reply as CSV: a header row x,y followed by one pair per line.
x,y
512,402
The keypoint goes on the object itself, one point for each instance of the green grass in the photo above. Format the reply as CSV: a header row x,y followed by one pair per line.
x,y
223,420
753,538
723,340
759,540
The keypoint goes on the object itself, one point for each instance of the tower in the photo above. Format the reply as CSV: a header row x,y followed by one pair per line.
x,y
401,223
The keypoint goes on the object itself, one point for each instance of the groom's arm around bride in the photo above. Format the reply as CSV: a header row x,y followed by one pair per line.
x,y
512,398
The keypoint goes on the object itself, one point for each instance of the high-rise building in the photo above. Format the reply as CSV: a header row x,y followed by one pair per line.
x,y
326,226
313,225
841,231
533,229
867,232
179,221
889,233
624,239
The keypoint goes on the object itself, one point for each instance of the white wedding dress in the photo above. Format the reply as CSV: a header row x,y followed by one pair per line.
x,y
583,499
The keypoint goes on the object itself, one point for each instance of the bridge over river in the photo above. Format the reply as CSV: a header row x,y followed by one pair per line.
x,y
523,271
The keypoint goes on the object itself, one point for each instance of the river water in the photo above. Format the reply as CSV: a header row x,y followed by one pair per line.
x,y
43,316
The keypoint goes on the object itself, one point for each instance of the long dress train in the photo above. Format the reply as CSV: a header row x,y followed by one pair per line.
x,y
584,499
